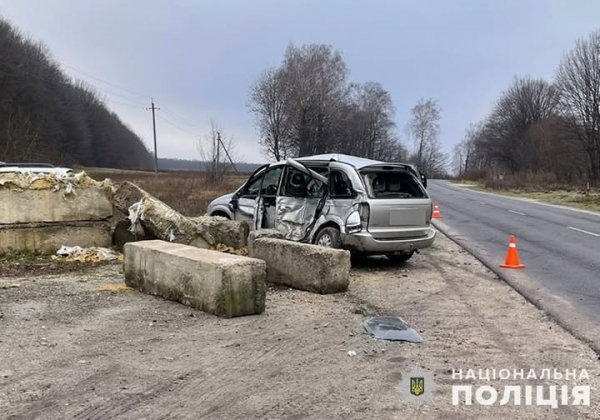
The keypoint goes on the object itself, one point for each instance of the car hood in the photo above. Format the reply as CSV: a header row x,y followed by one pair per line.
x,y
223,200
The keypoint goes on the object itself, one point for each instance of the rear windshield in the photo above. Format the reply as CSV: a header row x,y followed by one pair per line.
x,y
392,184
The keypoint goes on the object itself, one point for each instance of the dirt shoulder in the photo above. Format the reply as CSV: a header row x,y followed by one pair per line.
x,y
69,350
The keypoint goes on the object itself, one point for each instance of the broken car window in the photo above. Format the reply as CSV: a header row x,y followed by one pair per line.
x,y
271,181
300,185
251,190
340,185
392,184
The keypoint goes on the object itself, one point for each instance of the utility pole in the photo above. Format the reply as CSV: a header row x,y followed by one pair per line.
x,y
227,153
153,108
218,151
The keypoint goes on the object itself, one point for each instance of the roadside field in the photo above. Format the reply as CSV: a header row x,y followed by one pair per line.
x,y
188,192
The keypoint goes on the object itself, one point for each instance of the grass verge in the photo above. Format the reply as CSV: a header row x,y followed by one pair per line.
x,y
570,198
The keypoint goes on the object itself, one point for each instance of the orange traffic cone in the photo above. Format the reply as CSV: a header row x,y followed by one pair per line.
x,y
436,211
512,257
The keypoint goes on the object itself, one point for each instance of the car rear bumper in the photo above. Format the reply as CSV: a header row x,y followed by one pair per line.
x,y
365,243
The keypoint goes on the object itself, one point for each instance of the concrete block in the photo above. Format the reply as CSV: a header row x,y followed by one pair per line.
x,y
122,235
262,233
51,236
224,231
302,266
221,284
160,220
38,206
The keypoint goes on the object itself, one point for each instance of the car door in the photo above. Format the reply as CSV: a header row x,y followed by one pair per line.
x,y
244,201
266,202
301,196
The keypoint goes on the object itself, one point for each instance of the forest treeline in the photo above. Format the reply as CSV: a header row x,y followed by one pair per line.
x,y
547,131
46,117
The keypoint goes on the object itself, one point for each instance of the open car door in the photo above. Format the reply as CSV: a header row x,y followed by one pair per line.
x,y
300,201
244,203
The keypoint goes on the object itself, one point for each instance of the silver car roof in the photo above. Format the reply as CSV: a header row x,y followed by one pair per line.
x,y
357,162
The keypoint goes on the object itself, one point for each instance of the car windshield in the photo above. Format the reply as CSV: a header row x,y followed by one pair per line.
x,y
392,184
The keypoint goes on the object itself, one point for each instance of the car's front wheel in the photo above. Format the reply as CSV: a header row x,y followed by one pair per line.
x,y
401,256
329,237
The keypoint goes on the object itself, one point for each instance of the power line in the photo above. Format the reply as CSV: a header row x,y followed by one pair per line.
x,y
47,79
104,81
182,120
162,117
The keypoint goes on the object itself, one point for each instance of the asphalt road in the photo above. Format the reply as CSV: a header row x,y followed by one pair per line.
x,y
559,246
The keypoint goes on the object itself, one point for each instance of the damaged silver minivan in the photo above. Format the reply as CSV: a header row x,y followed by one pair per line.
x,y
338,201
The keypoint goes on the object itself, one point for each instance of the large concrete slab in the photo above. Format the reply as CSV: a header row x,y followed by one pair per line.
x,y
47,205
221,284
228,232
302,266
262,233
50,237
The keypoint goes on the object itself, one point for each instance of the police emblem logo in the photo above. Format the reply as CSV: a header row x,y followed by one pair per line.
x,y
417,386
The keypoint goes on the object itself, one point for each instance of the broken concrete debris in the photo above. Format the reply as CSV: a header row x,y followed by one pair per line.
x,y
158,219
124,233
224,231
303,266
214,282
162,222
86,255
44,211
391,328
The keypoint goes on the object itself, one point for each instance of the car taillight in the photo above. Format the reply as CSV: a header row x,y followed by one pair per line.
x,y
365,212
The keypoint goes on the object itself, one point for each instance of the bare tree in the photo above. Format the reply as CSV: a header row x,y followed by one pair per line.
x,y
424,127
578,80
217,151
268,101
306,106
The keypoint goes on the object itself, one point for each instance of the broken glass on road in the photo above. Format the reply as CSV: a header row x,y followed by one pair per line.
x,y
391,328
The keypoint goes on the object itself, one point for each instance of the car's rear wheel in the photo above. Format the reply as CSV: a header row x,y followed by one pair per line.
x,y
401,256
329,237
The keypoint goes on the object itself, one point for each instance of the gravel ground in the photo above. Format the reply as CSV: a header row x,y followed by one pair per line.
x,y
71,350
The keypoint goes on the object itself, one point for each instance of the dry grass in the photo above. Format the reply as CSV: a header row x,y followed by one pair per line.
x,y
188,192
113,288
540,186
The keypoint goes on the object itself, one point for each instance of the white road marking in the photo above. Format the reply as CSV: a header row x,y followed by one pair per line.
x,y
583,231
482,202
517,212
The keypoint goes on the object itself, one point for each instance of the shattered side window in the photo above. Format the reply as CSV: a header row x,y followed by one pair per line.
x,y
271,181
340,185
300,185
252,189
392,184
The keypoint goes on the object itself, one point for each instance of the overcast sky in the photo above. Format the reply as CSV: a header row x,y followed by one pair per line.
x,y
198,58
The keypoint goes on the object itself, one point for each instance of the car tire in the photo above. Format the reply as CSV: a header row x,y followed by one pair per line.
x,y
329,237
400,257
221,214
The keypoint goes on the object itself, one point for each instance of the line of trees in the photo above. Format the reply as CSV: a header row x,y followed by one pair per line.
x,y
539,126
44,116
307,106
